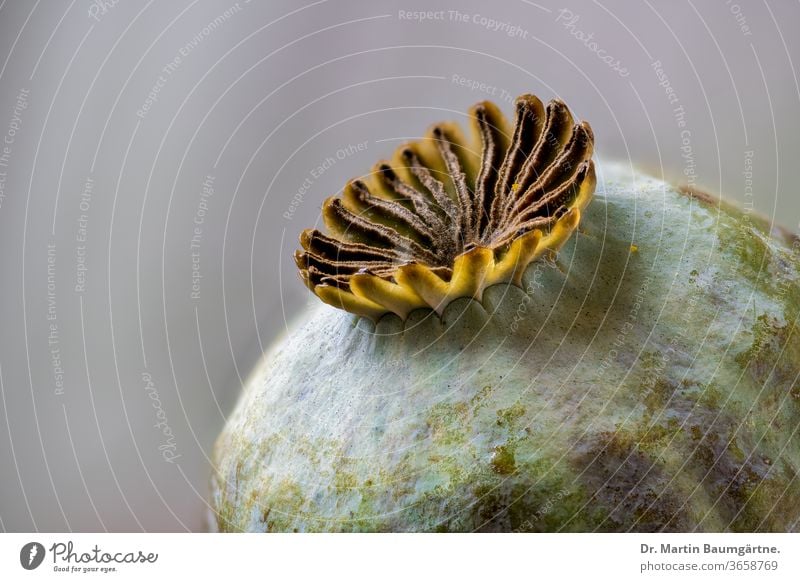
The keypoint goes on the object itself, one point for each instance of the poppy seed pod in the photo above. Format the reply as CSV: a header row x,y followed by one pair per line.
x,y
507,343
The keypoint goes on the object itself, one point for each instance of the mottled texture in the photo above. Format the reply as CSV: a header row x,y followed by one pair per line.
x,y
648,380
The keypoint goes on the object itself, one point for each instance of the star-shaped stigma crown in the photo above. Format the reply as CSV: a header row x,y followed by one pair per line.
x,y
447,218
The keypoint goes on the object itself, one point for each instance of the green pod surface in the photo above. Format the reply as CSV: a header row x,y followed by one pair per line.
x,y
647,380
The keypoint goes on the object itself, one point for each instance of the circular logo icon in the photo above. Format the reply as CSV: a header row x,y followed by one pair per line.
x,y
31,555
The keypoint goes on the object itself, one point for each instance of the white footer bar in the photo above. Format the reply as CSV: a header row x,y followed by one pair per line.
x,y
352,557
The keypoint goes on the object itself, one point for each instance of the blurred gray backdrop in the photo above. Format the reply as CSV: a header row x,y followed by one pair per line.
x,y
158,161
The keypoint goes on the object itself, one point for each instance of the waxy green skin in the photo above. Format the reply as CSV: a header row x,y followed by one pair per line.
x,y
648,380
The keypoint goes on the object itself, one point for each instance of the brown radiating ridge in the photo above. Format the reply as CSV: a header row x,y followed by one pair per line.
x,y
448,217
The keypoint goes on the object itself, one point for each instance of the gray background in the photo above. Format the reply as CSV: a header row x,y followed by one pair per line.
x,y
258,102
